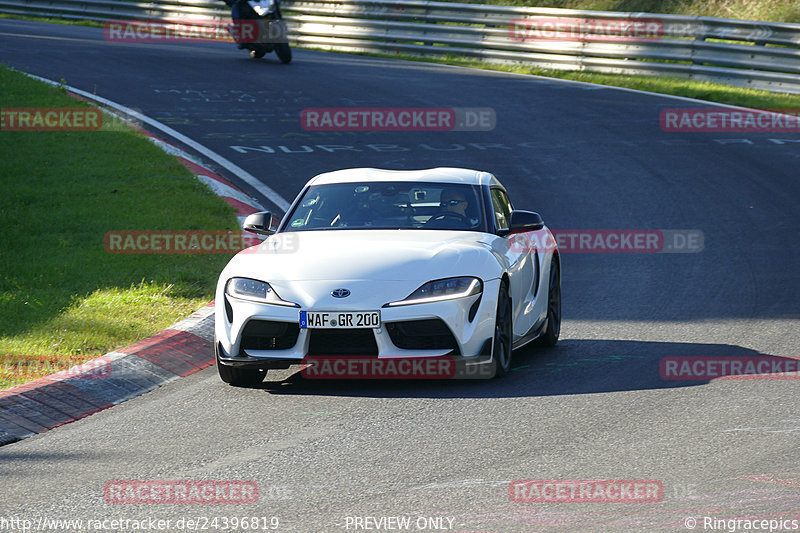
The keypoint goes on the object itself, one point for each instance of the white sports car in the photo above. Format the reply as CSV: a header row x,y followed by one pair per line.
x,y
390,265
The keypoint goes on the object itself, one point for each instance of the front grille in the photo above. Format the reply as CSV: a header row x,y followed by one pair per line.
x,y
429,334
269,335
342,342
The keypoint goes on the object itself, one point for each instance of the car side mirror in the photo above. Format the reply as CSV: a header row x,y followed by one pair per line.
x,y
259,223
525,221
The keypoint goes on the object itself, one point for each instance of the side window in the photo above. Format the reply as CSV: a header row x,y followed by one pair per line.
x,y
502,209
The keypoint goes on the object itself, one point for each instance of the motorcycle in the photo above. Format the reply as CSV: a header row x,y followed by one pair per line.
x,y
259,27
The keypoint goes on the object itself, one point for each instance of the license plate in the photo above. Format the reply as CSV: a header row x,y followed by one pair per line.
x,y
340,319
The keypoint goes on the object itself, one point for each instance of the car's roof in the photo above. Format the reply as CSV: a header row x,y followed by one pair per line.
x,y
435,175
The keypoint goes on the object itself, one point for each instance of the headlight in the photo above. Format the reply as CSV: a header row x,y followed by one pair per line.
x,y
442,289
254,290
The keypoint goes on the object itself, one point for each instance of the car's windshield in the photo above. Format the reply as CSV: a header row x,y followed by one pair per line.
x,y
388,205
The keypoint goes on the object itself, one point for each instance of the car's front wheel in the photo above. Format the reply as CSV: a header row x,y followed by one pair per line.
x,y
501,349
239,377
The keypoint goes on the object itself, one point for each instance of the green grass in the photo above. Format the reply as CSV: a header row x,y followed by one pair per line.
x,y
63,298
52,20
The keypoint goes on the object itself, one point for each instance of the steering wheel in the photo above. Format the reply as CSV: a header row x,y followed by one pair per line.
x,y
448,214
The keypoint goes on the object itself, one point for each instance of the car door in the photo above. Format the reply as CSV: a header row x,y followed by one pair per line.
x,y
523,267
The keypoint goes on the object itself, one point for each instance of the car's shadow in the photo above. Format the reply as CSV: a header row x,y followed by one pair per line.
x,y
575,366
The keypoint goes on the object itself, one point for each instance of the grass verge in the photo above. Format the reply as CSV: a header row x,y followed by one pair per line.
x,y
53,20
63,298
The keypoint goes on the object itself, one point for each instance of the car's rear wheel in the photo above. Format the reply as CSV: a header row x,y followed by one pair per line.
x,y
239,377
284,53
553,330
501,348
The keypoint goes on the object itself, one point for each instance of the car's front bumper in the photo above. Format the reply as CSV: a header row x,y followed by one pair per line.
x,y
258,335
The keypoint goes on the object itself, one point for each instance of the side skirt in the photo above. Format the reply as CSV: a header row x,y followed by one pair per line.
x,y
534,333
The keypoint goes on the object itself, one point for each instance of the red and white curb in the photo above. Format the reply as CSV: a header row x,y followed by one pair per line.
x,y
48,402
181,350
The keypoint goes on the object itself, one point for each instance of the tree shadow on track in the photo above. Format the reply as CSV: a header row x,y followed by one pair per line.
x,y
575,366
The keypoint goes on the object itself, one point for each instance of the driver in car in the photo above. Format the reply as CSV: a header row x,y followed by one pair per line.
x,y
454,201
453,214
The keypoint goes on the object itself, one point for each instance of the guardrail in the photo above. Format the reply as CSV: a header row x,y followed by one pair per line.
x,y
761,55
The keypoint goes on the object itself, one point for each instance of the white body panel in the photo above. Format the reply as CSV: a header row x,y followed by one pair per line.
x,y
380,266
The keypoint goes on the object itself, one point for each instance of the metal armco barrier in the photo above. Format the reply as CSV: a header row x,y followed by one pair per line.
x,y
760,55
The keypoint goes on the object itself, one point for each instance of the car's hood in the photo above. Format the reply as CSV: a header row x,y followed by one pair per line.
x,y
375,255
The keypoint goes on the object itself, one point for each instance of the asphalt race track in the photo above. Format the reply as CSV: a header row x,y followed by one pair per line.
x,y
594,408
